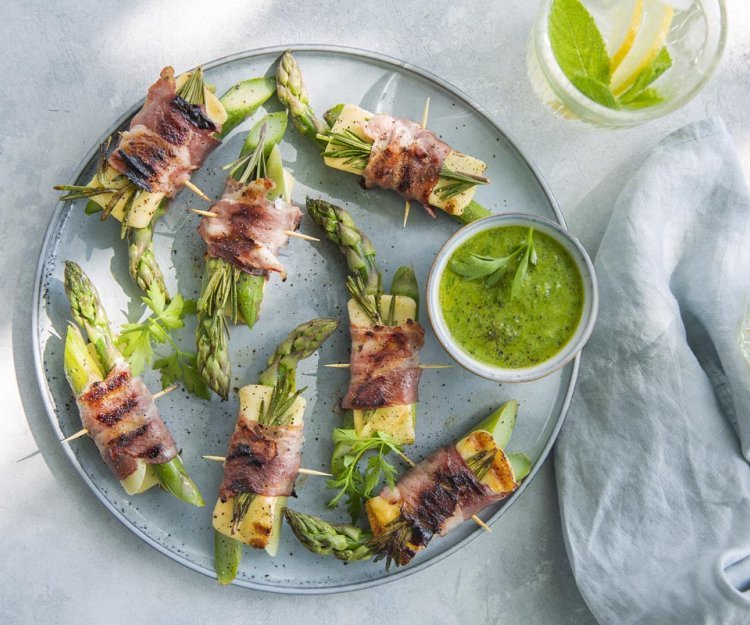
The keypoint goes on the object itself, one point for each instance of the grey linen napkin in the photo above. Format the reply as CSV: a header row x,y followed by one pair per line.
x,y
652,464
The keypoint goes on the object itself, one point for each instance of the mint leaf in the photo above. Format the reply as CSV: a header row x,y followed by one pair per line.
x,y
579,49
595,90
646,98
636,96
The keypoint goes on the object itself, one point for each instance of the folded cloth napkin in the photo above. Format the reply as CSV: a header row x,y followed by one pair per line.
x,y
652,463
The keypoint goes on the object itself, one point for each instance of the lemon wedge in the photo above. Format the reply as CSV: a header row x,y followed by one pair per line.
x,y
621,50
649,40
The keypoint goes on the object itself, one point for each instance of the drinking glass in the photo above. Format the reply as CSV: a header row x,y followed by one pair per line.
x,y
693,32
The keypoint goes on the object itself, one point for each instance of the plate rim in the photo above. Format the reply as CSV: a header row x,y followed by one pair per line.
x,y
38,297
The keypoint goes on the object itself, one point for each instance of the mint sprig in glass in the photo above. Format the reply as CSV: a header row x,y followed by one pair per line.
x,y
623,62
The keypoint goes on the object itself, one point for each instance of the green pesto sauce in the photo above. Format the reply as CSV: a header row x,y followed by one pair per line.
x,y
536,324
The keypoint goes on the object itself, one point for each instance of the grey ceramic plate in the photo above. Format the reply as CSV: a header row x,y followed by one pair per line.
x,y
452,399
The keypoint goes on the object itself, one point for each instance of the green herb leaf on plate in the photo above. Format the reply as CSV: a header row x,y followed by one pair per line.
x,y
580,50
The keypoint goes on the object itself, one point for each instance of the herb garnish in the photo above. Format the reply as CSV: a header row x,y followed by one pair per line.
x,y
349,450
475,266
581,53
136,342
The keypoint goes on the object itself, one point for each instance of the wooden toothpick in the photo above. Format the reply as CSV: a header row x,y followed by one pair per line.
x,y
481,523
164,391
314,472
72,437
425,114
197,191
301,470
300,235
198,211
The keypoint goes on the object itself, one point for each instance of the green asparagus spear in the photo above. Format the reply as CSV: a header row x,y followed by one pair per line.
x,y
141,260
174,479
298,345
82,370
345,542
90,315
227,557
212,335
353,243
291,91
405,283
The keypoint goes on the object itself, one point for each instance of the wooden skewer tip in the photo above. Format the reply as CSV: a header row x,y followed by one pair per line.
x,y
481,524
198,211
314,472
164,391
197,191
72,437
300,235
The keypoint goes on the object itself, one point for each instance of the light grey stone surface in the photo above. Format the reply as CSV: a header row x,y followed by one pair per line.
x,y
69,67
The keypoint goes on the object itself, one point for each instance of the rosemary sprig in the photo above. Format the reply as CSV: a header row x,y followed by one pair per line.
x,y
481,462
391,542
475,266
220,293
192,91
240,506
460,182
282,398
252,164
368,303
354,149
79,192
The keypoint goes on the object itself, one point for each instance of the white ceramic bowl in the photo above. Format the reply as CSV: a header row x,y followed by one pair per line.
x,y
571,348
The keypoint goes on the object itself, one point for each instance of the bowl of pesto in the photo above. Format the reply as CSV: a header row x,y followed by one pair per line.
x,y
512,297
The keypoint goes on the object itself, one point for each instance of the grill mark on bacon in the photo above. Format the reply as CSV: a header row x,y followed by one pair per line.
x,y
262,459
167,139
384,366
116,414
404,157
248,229
121,417
435,496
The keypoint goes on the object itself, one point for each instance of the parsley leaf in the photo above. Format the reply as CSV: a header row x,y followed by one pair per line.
x,y
137,341
181,366
580,51
348,477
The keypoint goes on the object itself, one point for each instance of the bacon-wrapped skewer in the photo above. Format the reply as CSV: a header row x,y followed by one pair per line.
x,y
451,485
116,408
386,335
264,453
179,124
387,151
244,231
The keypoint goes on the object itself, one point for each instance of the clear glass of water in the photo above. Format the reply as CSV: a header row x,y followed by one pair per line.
x,y
634,34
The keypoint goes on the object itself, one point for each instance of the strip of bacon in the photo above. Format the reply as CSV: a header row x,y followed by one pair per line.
x,y
262,459
248,229
384,365
435,496
405,158
167,140
121,416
